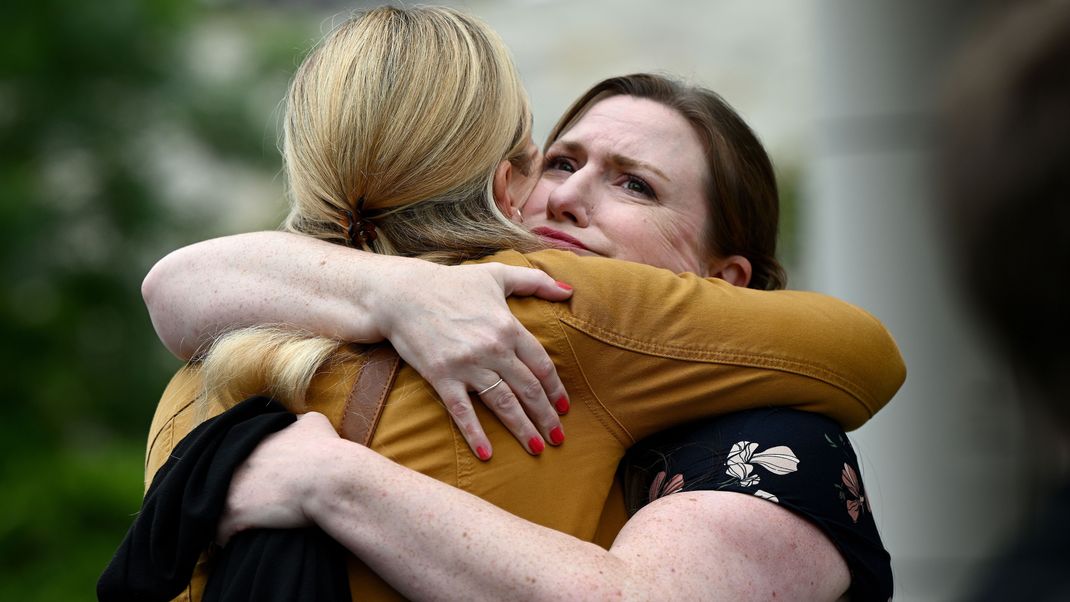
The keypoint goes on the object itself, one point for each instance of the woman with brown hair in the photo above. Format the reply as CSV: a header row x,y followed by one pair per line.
x,y
638,349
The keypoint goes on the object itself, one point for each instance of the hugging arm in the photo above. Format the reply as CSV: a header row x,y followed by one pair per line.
x,y
426,538
430,540
675,348
449,323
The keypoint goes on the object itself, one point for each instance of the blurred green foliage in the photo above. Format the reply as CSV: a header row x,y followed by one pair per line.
x,y
789,186
93,98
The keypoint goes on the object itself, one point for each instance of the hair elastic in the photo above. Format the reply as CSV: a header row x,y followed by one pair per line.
x,y
360,231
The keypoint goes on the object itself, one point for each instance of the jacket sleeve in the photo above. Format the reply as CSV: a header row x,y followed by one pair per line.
x,y
658,349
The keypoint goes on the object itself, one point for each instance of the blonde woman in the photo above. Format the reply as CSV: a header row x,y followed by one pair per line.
x,y
639,349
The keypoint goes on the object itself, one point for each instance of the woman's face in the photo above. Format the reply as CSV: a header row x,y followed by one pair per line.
x,y
626,181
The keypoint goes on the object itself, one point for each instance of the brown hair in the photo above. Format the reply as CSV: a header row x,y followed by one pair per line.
x,y
742,190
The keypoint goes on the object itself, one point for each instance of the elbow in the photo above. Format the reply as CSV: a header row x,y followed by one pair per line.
x,y
884,372
150,286
866,368
892,370
154,292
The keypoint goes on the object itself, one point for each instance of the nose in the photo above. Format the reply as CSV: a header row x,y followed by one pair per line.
x,y
570,201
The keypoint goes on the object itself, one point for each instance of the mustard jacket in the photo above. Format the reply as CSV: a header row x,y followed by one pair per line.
x,y
639,349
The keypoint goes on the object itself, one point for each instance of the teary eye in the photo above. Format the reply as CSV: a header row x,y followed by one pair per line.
x,y
560,163
637,185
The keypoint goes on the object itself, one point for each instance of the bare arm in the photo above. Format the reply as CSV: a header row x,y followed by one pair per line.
x,y
197,292
431,540
449,323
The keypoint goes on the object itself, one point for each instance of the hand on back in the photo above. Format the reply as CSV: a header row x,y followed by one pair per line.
x,y
453,326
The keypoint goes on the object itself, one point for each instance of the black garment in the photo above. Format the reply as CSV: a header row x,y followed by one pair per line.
x,y
800,460
178,520
1036,566
291,564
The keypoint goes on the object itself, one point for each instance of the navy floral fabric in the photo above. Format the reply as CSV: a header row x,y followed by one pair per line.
x,y
799,460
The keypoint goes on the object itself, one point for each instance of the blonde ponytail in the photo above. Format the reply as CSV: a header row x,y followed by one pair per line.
x,y
409,111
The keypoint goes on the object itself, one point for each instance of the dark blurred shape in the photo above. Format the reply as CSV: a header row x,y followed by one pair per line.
x,y
1006,174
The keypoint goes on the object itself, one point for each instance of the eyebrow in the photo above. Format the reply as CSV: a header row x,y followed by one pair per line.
x,y
616,159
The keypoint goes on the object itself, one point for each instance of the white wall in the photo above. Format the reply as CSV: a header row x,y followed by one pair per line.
x,y
945,461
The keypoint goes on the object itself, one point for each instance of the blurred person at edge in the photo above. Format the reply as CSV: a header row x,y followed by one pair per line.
x,y
1005,169
616,146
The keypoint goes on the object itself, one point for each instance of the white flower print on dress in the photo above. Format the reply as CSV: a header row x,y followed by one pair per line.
x,y
779,460
742,473
765,495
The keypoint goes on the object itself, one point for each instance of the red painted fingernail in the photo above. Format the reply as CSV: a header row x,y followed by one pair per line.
x,y
562,405
562,285
557,436
536,445
483,453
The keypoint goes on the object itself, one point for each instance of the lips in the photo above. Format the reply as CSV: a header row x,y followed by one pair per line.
x,y
559,239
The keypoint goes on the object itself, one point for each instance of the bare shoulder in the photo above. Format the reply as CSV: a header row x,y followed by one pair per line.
x,y
702,543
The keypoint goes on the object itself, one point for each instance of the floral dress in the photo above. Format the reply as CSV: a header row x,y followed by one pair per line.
x,y
800,460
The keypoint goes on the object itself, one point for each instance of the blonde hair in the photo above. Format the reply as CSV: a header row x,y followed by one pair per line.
x,y
400,116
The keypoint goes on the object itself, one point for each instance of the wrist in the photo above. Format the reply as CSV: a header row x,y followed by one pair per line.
x,y
363,295
394,287
336,482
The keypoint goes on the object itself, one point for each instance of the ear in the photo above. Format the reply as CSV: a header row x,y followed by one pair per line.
x,y
503,174
734,269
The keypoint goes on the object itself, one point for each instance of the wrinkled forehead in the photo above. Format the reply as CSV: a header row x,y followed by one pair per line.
x,y
630,130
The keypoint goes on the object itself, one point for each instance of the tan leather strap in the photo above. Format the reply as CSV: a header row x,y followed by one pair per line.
x,y
365,403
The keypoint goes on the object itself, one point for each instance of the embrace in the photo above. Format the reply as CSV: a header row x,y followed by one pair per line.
x,y
443,286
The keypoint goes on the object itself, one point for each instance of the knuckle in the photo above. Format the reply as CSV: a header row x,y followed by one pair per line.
x,y
531,390
502,402
458,408
311,419
451,367
487,271
468,355
542,367
437,368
